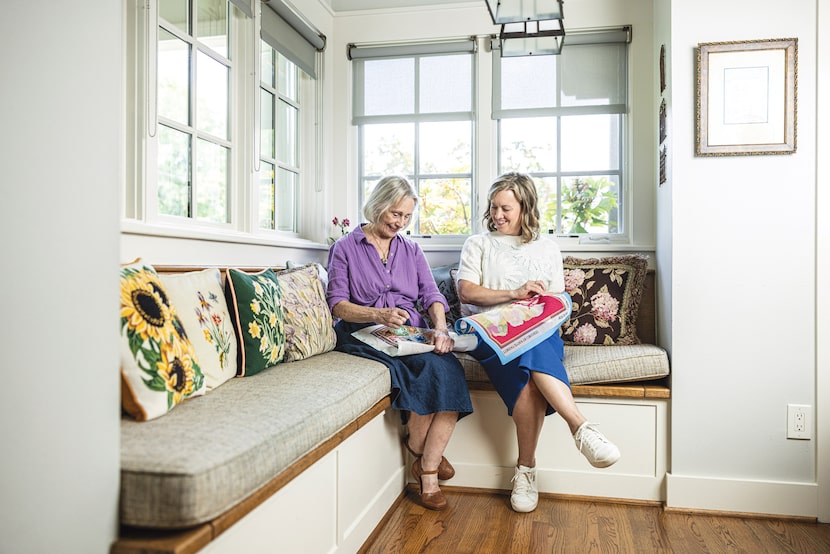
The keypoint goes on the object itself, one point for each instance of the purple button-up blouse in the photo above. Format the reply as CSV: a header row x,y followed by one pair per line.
x,y
357,275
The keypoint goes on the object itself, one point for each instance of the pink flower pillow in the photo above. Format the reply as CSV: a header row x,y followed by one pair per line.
x,y
606,295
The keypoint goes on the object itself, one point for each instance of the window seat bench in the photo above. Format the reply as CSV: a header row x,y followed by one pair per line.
x,y
306,456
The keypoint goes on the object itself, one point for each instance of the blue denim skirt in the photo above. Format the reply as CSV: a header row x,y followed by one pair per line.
x,y
422,383
510,379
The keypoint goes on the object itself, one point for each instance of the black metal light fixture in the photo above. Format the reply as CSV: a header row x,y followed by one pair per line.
x,y
511,11
528,27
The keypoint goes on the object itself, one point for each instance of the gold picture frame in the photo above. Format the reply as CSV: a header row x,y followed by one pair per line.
x,y
746,97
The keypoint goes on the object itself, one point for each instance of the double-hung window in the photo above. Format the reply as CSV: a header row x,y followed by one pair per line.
x,y
562,120
222,91
279,168
287,74
195,63
413,107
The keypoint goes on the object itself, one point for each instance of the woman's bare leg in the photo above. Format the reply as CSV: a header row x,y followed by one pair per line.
x,y
430,434
528,416
560,397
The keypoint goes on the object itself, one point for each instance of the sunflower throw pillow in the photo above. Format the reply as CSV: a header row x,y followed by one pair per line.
x,y
159,368
254,301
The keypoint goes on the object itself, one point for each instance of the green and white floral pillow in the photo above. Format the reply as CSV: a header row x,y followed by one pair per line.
x,y
256,312
308,325
159,368
200,302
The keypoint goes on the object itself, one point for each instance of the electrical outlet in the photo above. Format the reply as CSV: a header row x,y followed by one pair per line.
x,y
798,421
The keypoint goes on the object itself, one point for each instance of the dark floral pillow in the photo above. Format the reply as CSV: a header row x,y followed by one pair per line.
x,y
445,279
606,295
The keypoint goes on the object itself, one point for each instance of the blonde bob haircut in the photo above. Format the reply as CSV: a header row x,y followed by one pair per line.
x,y
524,189
387,193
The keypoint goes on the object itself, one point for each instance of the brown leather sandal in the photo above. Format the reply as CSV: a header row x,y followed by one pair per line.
x,y
431,500
445,469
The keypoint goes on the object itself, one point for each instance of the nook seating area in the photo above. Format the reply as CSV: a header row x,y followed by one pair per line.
x,y
305,454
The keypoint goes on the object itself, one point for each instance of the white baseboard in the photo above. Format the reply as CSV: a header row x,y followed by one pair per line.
x,y
742,496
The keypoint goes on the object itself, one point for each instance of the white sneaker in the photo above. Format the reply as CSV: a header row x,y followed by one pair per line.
x,y
525,495
599,451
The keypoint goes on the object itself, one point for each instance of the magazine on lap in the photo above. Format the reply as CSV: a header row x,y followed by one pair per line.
x,y
407,340
514,329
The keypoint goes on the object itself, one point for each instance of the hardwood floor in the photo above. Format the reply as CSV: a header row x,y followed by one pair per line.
x,y
483,522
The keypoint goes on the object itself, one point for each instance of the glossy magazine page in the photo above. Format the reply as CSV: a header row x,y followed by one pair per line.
x,y
407,340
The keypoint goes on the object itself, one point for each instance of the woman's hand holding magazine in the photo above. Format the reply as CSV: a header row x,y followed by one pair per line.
x,y
510,330
517,327
406,340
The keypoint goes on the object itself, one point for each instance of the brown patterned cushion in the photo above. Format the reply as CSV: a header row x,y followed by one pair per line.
x,y
606,295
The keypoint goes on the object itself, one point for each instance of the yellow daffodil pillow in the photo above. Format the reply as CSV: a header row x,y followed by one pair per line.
x,y
254,302
159,368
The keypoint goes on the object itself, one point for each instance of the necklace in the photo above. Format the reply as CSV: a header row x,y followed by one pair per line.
x,y
383,253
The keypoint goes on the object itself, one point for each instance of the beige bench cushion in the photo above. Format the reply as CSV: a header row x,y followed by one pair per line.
x,y
211,452
596,364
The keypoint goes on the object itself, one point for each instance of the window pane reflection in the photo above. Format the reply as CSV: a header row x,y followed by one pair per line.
x,y
266,196
173,181
212,25
211,96
173,78
212,182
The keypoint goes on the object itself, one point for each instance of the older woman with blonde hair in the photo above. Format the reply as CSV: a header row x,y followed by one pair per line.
x,y
508,262
375,275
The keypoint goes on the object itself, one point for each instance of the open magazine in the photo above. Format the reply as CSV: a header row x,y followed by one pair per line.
x,y
406,340
517,327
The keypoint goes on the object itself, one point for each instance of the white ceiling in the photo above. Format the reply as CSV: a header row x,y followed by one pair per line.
x,y
352,5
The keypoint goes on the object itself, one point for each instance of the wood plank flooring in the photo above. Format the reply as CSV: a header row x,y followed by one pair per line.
x,y
483,522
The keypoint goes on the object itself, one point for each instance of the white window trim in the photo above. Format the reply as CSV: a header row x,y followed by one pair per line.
x,y
139,215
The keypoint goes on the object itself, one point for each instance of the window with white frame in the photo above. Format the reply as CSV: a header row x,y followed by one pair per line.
x,y
279,170
413,106
220,88
194,117
561,119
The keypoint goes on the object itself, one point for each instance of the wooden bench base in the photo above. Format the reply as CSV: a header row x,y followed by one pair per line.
x,y
645,389
188,541
150,541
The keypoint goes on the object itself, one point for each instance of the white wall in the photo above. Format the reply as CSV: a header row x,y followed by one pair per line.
x,y
823,265
663,216
60,104
743,290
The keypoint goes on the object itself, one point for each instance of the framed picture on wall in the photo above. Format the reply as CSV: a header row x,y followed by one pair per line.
x,y
746,97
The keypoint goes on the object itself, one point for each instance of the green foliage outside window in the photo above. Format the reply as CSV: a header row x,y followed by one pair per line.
x,y
587,203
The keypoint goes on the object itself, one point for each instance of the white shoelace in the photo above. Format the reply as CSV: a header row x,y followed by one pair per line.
x,y
592,444
522,482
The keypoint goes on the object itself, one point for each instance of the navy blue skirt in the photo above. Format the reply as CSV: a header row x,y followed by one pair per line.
x,y
510,379
422,383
